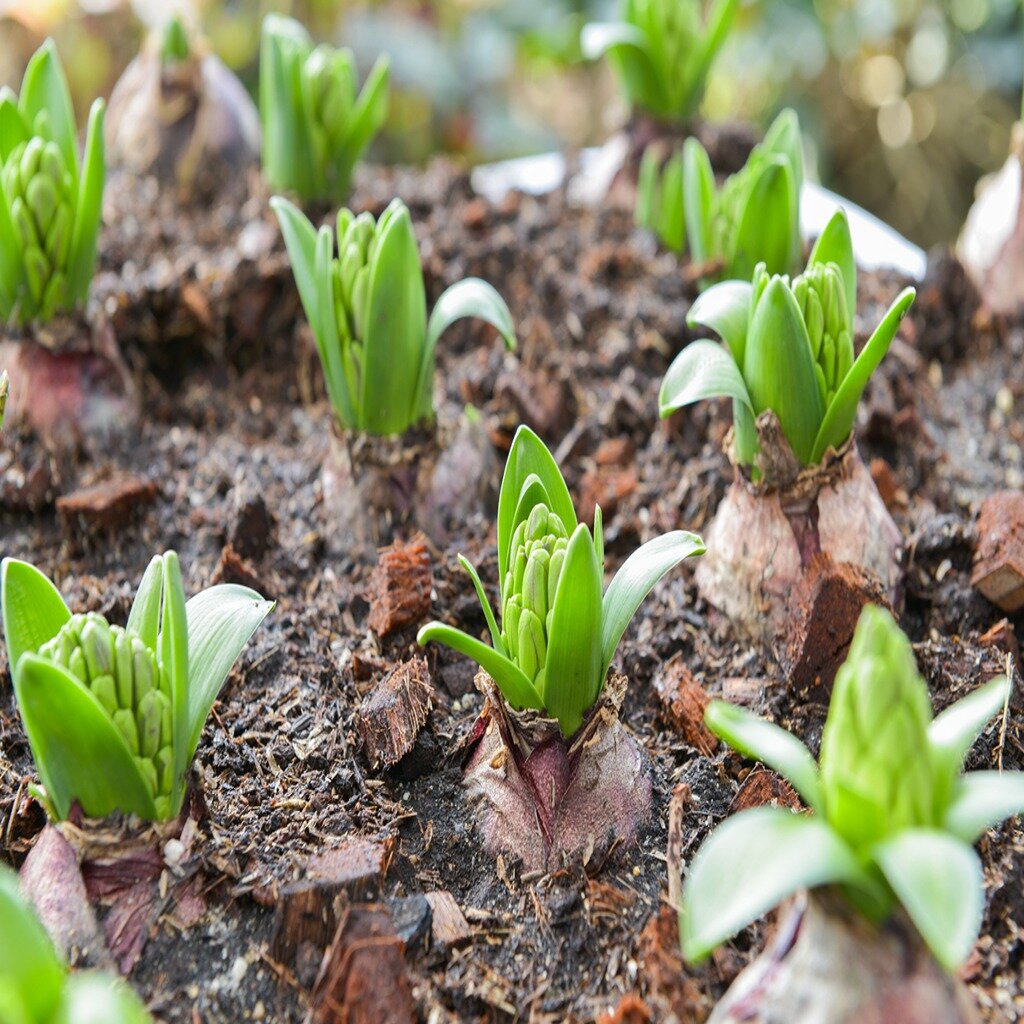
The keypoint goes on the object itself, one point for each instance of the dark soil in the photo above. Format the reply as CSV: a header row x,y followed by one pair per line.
x,y
234,418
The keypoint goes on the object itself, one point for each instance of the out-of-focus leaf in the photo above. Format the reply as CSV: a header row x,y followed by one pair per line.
x,y
749,865
765,231
762,741
983,799
938,880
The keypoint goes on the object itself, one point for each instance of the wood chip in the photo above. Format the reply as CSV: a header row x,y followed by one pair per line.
x,y
763,788
106,505
450,927
684,702
400,586
999,560
363,979
392,715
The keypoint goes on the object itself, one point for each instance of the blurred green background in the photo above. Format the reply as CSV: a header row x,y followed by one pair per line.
x,y
904,103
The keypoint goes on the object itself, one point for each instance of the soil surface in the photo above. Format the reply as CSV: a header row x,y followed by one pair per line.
x,y
233,435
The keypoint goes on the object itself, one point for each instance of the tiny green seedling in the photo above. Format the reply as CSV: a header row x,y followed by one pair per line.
x,y
316,126
367,309
753,218
790,351
114,715
558,634
50,203
35,985
662,51
893,816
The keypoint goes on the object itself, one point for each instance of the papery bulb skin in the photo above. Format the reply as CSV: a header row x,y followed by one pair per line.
x,y
40,195
537,554
875,762
127,679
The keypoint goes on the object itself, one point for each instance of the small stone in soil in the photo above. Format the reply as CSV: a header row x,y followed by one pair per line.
x,y
999,559
412,917
400,586
392,716
106,505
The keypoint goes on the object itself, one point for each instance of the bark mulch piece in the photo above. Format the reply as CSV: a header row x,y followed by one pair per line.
x,y
391,717
400,586
106,505
999,560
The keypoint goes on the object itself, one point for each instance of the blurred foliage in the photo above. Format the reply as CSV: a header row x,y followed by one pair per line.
x,y
905,103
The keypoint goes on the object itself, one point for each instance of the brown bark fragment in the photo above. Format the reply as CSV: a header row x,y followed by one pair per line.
x,y
683,703
607,486
631,1010
307,910
233,568
762,787
363,978
105,505
999,560
450,927
399,590
825,609
667,985
893,495
392,715
1003,637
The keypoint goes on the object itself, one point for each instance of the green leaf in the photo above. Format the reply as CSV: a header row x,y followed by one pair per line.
x,y
469,298
838,421
528,455
647,211
396,330
485,604
78,751
698,195
514,684
13,284
366,118
635,579
33,610
173,651
725,309
762,741
702,370
779,368
28,962
300,239
716,30
953,732
144,617
835,245
749,865
938,880
44,88
94,998
671,224
328,339
572,669
288,150
765,230
13,129
984,799
89,210
221,621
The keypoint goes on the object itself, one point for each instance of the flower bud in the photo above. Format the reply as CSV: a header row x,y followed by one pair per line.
x,y
40,196
537,549
821,297
875,761
125,677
